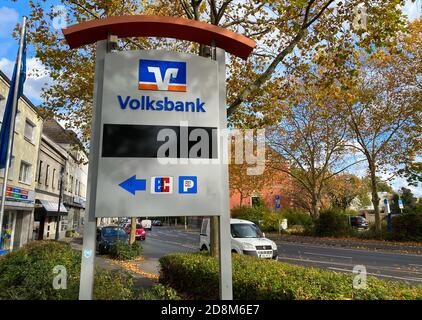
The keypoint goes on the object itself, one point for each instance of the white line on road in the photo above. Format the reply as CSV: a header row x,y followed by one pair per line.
x,y
391,269
327,255
280,244
379,275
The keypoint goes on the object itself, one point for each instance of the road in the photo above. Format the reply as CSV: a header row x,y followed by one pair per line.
x,y
385,265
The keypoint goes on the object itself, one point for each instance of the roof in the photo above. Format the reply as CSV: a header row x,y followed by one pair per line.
x,y
92,31
29,102
54,131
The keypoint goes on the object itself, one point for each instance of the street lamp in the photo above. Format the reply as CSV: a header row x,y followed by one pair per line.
x,y
60,201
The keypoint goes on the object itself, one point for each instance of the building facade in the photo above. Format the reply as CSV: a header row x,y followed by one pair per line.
x,y
20,196
52,162
75,174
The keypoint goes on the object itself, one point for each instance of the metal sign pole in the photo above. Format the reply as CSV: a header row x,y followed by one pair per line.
x,y
90,226
226,290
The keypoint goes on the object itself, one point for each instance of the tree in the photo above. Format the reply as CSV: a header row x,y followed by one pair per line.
x,y
310,137
286,30
343,189
384,110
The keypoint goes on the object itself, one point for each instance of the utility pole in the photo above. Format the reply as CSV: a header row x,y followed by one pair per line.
x,y
60,201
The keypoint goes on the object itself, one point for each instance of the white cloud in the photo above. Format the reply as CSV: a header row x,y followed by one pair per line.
x,y
36,77
8,19
413,10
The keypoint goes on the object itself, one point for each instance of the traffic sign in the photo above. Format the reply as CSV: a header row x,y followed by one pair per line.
x,y
401,204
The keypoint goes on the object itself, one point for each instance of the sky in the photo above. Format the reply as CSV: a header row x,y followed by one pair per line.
x,y
12,12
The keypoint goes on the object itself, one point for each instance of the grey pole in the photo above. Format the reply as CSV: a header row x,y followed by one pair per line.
x,y
90,227
12,126
226,290
60,201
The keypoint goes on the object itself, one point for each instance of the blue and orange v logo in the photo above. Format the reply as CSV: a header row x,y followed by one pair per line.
x,y
162,75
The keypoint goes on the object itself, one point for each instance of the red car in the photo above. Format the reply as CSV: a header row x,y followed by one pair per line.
x,y
140,232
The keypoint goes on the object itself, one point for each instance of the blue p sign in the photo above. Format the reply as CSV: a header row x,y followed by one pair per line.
x,y
188,184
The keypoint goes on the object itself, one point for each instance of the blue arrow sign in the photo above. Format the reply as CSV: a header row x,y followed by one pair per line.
x,y
132,184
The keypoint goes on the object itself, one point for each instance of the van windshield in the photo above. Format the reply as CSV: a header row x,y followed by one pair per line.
x,y
245,230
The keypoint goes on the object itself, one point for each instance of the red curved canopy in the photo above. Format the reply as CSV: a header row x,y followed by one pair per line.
x,y
158,26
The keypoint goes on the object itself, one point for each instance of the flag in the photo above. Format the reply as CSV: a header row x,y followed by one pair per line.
x,y
6,125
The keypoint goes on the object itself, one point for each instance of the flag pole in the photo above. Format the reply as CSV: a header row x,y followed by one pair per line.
x,y
12,126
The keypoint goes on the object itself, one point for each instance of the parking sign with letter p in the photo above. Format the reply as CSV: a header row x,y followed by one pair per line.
x,y
188,184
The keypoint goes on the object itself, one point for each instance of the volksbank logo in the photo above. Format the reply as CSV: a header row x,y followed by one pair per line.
x,y
162,75
166,104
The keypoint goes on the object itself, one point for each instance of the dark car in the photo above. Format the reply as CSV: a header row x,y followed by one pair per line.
x,y
157,223
108,236
359,222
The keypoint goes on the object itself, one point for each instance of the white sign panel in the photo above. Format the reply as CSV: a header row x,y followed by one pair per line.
x,y
158,152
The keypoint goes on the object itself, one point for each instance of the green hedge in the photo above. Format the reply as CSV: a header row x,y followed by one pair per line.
x,y
407,227
122,250
196,275
27,274
332,223
297,217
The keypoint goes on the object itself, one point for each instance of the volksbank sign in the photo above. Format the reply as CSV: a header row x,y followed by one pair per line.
x,y
167,104
149,99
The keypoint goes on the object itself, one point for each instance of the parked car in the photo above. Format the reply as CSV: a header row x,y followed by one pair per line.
x,y
359,222
147,224
157,223
140,231
246,238
108,236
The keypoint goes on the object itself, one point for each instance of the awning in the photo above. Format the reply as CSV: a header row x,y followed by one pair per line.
x,y
51,208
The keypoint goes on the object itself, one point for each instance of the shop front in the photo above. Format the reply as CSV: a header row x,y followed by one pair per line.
x,y
17,219
45,220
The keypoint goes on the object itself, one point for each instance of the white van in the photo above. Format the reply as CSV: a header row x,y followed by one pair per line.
x,y
246,238
146,224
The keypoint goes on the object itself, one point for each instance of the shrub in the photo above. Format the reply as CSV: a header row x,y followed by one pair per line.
x,y
270,222
27,274
253,214
297,217
158,292
122,250
407,227
331,223
197,276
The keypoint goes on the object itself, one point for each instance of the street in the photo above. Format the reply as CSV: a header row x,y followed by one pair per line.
x,y
384,265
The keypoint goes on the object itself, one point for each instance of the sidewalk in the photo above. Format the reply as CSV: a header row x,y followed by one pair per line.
x,y
376,245
145,272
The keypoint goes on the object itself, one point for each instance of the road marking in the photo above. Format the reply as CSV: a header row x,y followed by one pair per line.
x,y
392,269
379,275
327,255
280,243
415,265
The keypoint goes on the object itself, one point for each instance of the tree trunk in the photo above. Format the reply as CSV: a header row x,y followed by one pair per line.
x,y
375,198
214,237
132,230
314,206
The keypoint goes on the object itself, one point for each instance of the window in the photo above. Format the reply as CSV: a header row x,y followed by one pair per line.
x,y
11,167
63,225
54,177
25,172
71,184
46,175
39,172
29,130
256,201
2,105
